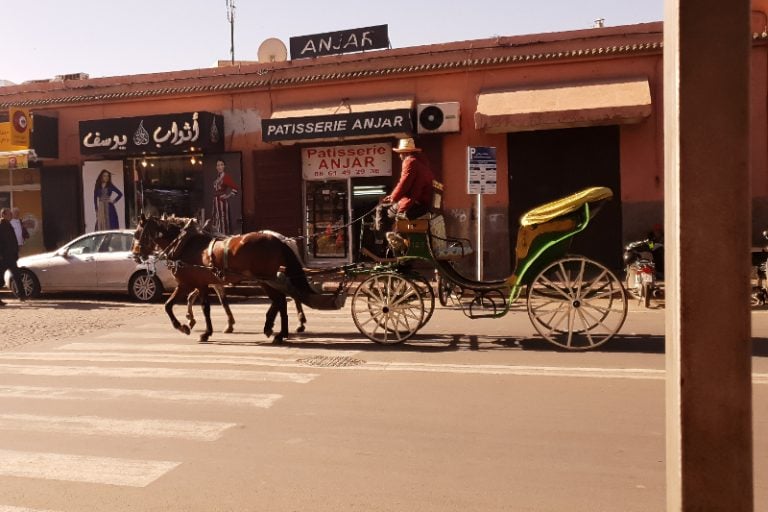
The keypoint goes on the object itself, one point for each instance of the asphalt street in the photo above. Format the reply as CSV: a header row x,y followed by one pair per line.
x,y
120,412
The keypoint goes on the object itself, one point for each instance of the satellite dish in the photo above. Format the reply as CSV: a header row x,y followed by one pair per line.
x,y
272,50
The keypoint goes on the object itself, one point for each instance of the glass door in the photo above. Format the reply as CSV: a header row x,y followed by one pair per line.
x,y
327,215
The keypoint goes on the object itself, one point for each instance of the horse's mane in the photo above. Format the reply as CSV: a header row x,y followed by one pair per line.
x,y
178,221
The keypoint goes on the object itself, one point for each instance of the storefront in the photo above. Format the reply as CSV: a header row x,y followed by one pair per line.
x,y
340,183
25,141
159,164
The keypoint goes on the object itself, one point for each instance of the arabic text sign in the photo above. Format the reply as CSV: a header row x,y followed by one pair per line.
x,y
381,122
345,41
340,162
481,170
152,134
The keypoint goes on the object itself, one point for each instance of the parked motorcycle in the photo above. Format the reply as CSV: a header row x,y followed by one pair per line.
x,y
643,261
760,287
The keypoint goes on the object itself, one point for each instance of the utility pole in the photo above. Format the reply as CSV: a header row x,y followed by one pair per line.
x,y
231,20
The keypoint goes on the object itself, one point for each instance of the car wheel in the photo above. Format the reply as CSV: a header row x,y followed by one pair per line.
x,y
144,287
30,283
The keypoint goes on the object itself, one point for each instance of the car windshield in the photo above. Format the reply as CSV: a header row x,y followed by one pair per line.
x,y
86,245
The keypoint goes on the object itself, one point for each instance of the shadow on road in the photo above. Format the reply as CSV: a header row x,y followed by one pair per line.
x,y
637,344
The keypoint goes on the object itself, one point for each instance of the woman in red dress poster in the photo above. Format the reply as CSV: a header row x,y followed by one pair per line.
x,y
224,187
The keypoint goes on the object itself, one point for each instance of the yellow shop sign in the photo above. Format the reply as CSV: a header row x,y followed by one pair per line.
x,y
15,125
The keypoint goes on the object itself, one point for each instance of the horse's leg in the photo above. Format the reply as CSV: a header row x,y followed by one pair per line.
x,y
169,309
219,289
269,323
283,306
191,298
300,313
279,305
204,293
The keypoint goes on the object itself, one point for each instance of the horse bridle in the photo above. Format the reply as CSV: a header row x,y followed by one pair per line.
x,y
149,231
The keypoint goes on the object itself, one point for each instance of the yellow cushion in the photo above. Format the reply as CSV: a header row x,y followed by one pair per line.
x,y
565,205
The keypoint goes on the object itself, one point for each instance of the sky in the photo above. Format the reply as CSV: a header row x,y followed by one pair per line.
x,y
45,38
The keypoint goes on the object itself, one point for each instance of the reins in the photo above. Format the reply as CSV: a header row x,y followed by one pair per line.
x,y
335,230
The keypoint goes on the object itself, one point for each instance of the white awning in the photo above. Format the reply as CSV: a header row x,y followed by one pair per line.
x,y
560,106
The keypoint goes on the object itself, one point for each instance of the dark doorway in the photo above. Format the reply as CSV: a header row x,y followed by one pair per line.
x,y
62,209
549,164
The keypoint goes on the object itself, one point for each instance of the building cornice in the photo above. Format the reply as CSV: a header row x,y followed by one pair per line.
x,y
615,42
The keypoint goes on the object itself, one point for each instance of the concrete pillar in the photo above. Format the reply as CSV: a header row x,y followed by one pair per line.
x,y
707,233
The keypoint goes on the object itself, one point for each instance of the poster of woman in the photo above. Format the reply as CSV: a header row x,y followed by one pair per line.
x,y
103,186
222,186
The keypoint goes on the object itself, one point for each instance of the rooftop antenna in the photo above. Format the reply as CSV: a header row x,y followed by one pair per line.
x,y
231,20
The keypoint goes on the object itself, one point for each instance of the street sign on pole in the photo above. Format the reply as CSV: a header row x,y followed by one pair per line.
x,y
481,179
481,170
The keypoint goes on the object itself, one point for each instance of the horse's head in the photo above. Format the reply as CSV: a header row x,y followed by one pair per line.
x,y
153,233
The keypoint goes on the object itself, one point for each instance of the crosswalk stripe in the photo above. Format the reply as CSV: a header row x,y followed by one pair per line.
x,y
79,468
260,400
9,508
202,349
147,358
99,426
157,373
545,371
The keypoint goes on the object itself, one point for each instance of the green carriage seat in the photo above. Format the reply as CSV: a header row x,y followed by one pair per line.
x,y
549,224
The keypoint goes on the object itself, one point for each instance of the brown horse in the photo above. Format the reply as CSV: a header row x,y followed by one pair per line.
x,y
199,260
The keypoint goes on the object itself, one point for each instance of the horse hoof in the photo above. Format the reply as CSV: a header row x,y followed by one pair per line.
x,y
185,329
204,338
268,332
228,329
192,323
300,328
278,339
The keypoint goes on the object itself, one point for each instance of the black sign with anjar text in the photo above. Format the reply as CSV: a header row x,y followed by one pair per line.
x,y
148,135
344,41
382,122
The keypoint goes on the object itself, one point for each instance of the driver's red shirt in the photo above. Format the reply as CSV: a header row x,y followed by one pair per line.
x,y
415,185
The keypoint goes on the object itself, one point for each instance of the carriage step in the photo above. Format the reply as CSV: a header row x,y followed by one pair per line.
x,y
474,316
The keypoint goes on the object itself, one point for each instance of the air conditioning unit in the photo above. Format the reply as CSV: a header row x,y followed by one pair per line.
x,y
438,117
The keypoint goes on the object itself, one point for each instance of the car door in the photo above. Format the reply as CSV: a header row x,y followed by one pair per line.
x,y
73,267
115,262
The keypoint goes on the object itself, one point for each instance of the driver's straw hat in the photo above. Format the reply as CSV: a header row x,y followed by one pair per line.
x,y
406,146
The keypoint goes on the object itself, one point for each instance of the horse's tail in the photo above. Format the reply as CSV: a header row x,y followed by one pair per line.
x,y
294,271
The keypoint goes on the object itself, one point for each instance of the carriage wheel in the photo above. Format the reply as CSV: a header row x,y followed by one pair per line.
x,y
427,295
577,303
448,292
388,308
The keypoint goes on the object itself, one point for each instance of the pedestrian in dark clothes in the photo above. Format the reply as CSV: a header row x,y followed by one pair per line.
x,y
9,252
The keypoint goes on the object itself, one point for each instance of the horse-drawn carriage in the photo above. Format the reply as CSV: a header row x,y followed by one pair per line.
x,y
572,301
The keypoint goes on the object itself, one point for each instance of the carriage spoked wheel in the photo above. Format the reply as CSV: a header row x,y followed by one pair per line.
x,y
577,303
427,295
448,292
388,308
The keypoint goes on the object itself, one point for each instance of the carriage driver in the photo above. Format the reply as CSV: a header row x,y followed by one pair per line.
x,y
413,193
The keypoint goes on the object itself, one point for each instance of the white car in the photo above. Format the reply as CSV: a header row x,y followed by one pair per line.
x,y
95,262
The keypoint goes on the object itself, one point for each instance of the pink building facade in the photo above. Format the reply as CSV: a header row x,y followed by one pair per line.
x,y
308,141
